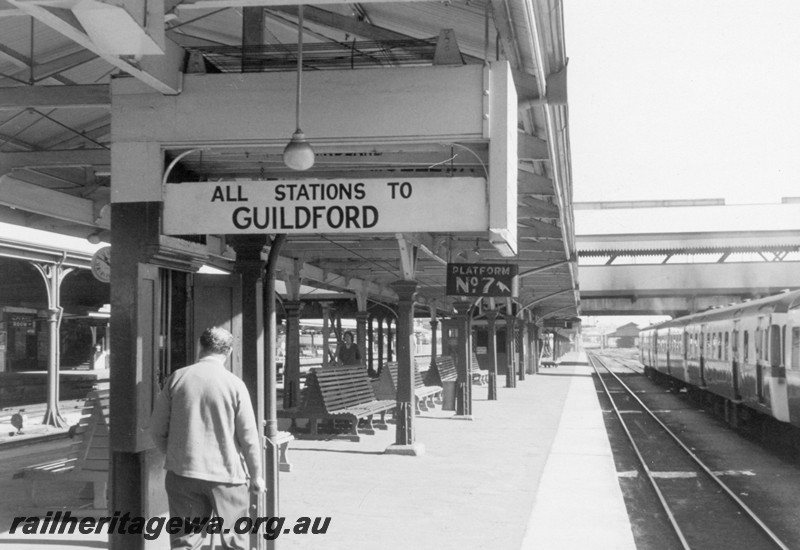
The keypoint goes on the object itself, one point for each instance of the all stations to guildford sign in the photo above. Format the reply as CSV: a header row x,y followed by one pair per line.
x,y
327,206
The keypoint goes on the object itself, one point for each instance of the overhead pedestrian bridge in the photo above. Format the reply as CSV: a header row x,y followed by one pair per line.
x,y
677,257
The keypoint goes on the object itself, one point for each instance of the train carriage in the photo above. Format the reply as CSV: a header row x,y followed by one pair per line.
x,y
747,353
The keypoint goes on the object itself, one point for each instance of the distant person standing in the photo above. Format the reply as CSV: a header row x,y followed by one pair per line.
x,y
204,422
347,353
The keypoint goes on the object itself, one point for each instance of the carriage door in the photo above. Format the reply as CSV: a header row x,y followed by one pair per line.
x,y
762,349
702,352
735,359
216,300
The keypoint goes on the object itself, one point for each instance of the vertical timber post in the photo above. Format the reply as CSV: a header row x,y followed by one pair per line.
x,y
522,338
533,331
463,359
250,264
270,462
434,339
370,345
326,333
362,317
137,468
380,343
291,366
390,336
511,352
491,318
404,413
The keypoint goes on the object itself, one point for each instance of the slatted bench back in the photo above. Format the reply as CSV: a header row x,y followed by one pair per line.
x,y
476,366
447,368
419,381
386,385
92,446
392,369
335,388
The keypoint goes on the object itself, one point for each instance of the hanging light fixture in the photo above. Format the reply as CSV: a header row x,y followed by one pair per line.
x,y
298,154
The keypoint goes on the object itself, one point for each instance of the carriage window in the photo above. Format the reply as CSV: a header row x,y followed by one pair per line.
x,y
775,348
746,346
719,345
796,348
725,353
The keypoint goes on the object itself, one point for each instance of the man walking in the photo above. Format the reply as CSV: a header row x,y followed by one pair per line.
x,y
203,421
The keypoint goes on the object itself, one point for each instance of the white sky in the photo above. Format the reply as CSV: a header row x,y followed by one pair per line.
x,y
684,99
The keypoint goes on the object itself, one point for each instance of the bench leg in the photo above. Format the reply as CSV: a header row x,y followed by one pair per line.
x,y
354,435
312,426
282,460
369,427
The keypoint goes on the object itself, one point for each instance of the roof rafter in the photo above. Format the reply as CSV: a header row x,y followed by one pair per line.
x,y
159,72
23,97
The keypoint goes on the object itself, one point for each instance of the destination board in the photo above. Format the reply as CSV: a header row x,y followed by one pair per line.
x,y
327,206
490,280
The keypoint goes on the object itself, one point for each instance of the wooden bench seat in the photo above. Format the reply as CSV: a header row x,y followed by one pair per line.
x,y
340,393
480,377
88,457
425,394
442,370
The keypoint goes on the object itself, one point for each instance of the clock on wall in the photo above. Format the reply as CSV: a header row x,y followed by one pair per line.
x,y
101,264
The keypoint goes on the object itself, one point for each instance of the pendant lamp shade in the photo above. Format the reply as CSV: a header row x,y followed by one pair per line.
x,y
298,154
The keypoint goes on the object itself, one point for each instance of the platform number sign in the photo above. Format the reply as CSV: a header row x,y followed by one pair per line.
x,y
492,280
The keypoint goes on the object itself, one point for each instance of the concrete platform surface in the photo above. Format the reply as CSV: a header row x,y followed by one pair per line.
x,y
532,470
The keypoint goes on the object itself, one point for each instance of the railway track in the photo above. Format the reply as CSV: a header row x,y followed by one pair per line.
x,y
702,511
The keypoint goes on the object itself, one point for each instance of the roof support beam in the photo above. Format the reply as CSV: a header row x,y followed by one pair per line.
x,y
352,26
32,198
532,148
162,73
213,4
70,61
98,158
289,266
50,97
529,183
408,257
539,208
534,229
